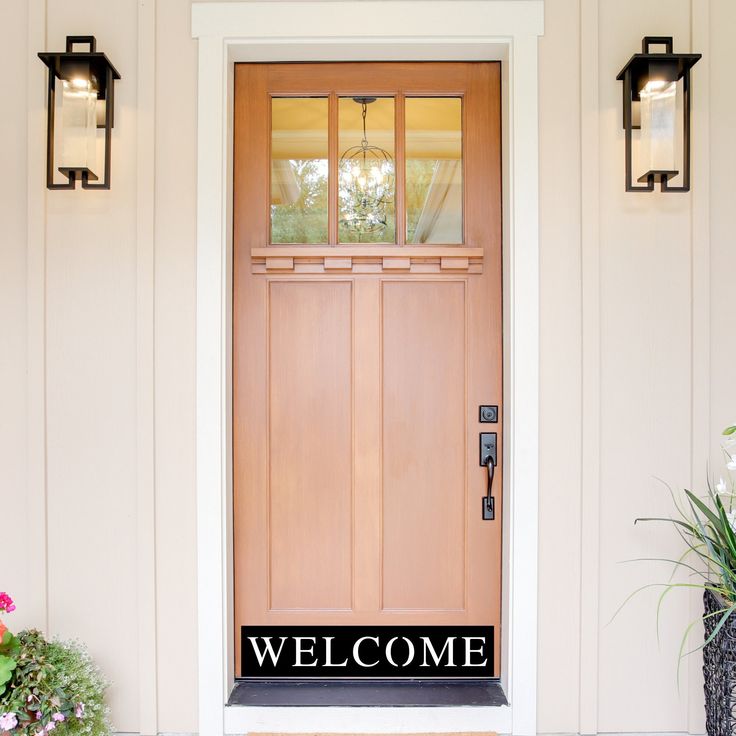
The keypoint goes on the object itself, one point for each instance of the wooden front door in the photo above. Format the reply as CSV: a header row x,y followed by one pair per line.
x,y
367,332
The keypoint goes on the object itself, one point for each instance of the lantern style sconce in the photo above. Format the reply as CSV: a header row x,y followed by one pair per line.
x,y
657,103
80,102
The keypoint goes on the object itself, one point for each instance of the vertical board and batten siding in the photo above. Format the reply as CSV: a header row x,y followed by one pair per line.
x,y
645,299
723,215
629,283
14,317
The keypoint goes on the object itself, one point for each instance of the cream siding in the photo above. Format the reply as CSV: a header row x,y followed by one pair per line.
x,y
643,278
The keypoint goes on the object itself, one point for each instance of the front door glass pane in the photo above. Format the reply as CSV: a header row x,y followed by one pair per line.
x,y
434,170
367,170
299,169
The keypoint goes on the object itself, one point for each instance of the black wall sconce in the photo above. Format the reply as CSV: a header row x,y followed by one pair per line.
x,y
80,102
657,103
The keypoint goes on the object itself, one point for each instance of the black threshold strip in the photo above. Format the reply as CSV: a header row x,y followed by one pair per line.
x,y
392,693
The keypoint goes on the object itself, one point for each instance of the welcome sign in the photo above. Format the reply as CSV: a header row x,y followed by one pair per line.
x,y
320,652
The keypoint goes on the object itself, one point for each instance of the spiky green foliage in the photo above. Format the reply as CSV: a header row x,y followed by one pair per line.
x,y
707,527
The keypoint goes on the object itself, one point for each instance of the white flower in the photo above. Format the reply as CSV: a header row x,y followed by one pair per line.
x,y
8,721
731,465
721,486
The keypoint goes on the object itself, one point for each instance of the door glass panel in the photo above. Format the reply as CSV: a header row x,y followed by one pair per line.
x,y
299,169
367,170
434,170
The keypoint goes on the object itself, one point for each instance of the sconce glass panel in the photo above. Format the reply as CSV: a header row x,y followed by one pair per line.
x,y
78,130
658,138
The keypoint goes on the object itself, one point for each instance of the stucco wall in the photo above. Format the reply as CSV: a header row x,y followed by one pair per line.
x,y
631,287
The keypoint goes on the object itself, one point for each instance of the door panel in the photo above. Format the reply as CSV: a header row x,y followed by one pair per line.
x,y
310,445
423,361
358,369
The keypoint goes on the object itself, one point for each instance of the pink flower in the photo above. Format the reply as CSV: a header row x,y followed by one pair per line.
x,y
8,721
38,715
79,710
57,717
50,726
6,603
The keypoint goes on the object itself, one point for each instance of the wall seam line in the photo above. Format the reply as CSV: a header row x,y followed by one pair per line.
x,y
36,396
145,368
591,367
699,311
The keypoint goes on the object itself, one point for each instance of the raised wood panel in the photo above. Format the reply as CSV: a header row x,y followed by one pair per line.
x,y
310,445
424,447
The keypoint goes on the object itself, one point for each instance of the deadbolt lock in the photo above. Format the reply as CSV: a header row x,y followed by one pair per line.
x,y
487,414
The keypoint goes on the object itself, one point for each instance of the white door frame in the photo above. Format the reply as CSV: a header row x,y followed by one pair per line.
x,y
368,30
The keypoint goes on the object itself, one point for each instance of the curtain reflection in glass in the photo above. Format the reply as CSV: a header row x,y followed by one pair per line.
x,y
299,169
434,170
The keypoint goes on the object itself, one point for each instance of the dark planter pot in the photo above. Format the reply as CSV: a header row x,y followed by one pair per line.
x,y
719,670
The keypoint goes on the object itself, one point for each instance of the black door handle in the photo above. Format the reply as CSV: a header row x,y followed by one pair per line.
x,y
489,505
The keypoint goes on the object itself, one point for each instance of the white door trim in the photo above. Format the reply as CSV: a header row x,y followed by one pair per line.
x,y
344,30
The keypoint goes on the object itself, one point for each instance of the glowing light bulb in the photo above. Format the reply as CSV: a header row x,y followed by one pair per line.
x,y
655,85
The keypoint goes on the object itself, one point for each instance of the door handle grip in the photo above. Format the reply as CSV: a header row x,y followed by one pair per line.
x,y
489,504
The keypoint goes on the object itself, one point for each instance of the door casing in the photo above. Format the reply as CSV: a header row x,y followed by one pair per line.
x,y
505,31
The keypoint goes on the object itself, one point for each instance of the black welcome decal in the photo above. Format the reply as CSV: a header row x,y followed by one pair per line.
x,y
320,652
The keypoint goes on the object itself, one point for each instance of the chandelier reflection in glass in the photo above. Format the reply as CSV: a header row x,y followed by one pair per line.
x,y
366,183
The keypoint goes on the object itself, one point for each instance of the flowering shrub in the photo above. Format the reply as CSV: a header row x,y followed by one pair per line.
x,y
8,649
52,686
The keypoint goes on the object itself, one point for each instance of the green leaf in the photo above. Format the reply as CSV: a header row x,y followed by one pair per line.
x,y
676,522
712,518
711,544
725,613
730,430
7,666
675,502
10,645
727,530
676,564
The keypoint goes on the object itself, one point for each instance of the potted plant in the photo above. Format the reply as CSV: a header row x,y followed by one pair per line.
x,y
48,686
707,526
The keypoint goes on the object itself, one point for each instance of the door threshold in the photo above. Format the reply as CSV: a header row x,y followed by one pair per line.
x,y
375,693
